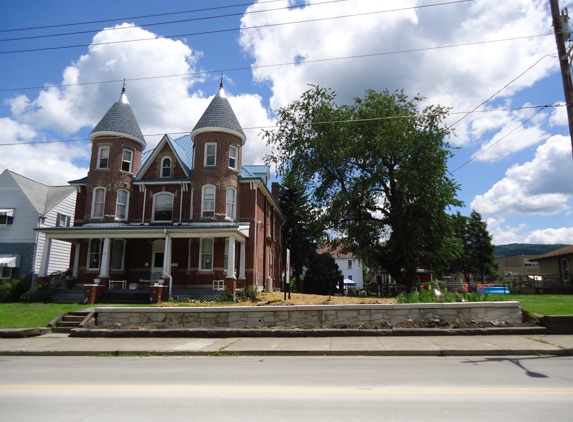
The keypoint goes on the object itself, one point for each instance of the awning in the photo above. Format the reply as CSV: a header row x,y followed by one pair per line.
x,y
7,211
10,261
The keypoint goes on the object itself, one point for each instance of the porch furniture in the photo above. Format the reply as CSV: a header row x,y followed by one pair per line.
x,y
219,285
122,283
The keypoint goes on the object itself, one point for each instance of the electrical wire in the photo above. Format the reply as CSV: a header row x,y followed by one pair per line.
x,y
541,107
91,31
236,69
218,31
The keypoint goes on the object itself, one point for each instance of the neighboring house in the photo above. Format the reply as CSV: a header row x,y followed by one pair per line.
x,y
517,267
558,262
24,206
188,211
348,264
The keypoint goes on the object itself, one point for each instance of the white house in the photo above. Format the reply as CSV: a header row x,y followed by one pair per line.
x,y
349,264
24,206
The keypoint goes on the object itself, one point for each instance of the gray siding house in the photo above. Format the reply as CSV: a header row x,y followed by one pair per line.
x,y
24,206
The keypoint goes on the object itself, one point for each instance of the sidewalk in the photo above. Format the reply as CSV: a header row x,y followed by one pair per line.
x,y
493,345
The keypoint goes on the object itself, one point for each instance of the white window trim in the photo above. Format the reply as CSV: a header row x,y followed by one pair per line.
x,y
113,252
153,210
124,161
88,268
201,254
99,157
205,158
162,166
126,205
226,258
234,213
5,273
203,200
62,220
236,157
93,202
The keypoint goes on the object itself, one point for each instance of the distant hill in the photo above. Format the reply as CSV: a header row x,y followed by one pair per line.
x,y
501,251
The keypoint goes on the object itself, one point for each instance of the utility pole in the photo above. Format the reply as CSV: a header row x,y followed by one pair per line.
x,y
562,33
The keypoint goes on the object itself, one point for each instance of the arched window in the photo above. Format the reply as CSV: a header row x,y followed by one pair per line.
x,y
208,201
231,202
121,204
166,167
98,202
206,260
163,207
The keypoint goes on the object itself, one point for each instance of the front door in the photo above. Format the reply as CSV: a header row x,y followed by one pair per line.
x,y
157,260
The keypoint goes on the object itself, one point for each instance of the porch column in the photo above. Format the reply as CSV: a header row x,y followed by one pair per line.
x,y
242,261
231,261
104,267
76,259
45,257
167,256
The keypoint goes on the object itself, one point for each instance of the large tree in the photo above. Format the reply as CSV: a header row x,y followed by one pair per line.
x,y
477,257
377,169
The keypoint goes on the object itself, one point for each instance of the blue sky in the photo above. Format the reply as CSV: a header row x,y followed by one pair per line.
x,y
513,159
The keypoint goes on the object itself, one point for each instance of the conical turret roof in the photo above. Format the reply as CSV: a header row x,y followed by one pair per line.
x,y
219,116
120,121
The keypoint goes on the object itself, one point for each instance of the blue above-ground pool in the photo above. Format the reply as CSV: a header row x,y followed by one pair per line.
x,y
494,290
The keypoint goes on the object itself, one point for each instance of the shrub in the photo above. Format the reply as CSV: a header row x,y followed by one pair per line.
x,y
12,290
352,292
249,293
225,296
40,292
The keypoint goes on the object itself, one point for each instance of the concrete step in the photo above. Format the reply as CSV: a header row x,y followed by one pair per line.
x,y
73,318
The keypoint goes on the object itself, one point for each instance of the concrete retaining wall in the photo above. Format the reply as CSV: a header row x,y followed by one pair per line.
x,y
287,316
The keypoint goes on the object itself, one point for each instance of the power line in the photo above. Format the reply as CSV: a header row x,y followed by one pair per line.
x,y
541,107
33,37
414,50
502,138
218,31
206,9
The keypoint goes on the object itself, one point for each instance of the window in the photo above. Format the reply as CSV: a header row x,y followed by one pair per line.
x,y
208,203
117,254
349,277
233,157
94,254
231,200
349,264
103,158
210,154
163,207
271,259
98,203
166,167
126,160
5,273
121,205
62,220
6,216
206,254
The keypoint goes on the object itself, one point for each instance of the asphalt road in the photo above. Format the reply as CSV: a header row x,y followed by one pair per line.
x,y
286,389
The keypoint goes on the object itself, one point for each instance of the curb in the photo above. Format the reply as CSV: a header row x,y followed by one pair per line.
x,y
325,332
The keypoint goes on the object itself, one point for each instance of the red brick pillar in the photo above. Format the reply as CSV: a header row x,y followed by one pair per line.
x,y
158,294
92,292
231,284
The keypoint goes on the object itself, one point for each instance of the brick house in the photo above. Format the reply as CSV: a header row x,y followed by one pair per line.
x,y
188,211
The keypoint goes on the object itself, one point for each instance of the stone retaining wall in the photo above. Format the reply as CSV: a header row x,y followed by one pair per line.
x,y
319,315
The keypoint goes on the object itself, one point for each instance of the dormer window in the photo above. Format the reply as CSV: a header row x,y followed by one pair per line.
x,y
127,160
103,158
166,167
233,157
62,220
210,154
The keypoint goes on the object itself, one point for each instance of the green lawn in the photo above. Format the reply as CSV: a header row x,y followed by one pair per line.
x,y
541,304
28,315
